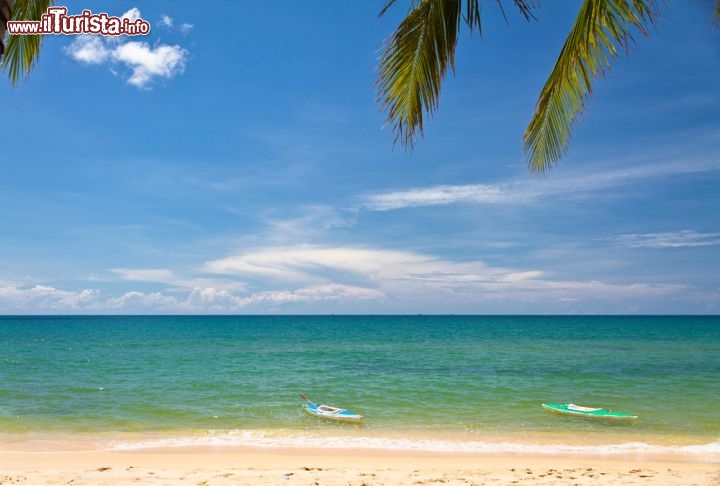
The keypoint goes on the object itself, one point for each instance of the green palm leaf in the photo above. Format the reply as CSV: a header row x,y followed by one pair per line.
x,y
413,63
5,15
416,57
22,51
601,28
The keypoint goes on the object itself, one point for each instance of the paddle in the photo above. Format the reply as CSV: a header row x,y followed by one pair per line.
x,y
302,395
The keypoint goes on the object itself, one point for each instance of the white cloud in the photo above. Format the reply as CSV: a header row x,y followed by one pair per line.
x,y
405,276
43,298
89,49
169,22
175,282
211,298
304,223
139,302
145,274
214,300
166,21
679,239
79,300
146,63
332,292
310,263
345,278
525,191
442,195
132,15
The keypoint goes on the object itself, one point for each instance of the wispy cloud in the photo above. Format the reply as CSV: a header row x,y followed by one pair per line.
x,y
678,239
273,279
522,192
412,276
304,223
146,63
175,282
166,21
145,274
315,264
169,22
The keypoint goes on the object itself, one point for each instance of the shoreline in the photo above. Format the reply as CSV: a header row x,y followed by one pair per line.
x,y
581,444
265,466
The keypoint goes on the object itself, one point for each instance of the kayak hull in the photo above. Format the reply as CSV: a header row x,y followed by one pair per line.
x,y
327,412
588,412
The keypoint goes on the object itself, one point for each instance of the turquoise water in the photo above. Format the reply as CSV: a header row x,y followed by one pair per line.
x,y
458,379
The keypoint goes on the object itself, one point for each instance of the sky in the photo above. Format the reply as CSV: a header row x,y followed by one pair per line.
x,y
235,161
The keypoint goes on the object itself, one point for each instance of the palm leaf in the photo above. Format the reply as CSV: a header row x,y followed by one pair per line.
x,y
416,57
601,27
716,14
387,6
413,63
22,51
525,7
5,15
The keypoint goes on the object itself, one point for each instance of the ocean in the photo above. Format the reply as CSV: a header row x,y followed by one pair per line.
x,y
458,384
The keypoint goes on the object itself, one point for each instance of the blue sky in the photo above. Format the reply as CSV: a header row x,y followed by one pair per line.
x,y
235,161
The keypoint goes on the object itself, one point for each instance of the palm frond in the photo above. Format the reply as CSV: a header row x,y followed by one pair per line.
x,y
472,15
416,57
716,13
22,51
388,4
601,27
413,64
5,15
526,7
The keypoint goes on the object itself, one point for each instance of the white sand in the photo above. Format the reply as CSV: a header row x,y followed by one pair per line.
x,y
208,466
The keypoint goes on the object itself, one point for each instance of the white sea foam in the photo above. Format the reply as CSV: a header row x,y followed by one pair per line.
x,y
273,439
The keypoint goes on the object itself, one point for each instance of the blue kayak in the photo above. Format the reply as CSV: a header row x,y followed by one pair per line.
x,y
330,413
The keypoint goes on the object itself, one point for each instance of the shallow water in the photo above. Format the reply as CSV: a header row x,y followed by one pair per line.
x,y
467,381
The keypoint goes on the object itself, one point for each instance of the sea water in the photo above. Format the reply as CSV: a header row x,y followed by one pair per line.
x,y
452,383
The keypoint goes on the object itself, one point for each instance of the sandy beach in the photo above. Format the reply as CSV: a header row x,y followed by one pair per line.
x,y
208,466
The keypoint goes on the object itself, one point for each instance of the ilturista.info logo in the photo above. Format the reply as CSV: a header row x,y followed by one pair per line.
x,y
56,21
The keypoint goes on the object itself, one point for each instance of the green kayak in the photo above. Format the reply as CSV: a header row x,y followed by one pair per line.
x,y
587,412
